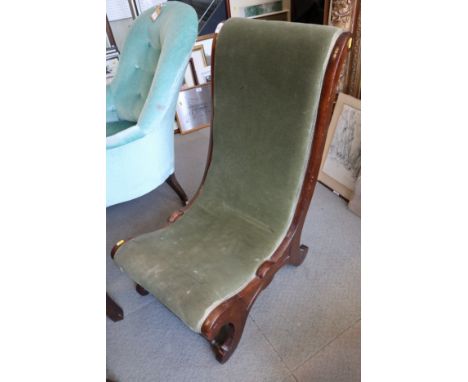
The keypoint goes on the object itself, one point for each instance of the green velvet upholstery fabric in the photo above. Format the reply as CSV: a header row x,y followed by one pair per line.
x,y
268,81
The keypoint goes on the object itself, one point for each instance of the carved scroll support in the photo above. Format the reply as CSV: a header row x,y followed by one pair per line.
x,y
224,326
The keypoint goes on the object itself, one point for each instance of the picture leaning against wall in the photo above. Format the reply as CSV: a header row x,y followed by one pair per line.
x,y
341,163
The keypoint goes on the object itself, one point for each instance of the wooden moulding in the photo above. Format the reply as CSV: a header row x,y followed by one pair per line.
x,y
224,325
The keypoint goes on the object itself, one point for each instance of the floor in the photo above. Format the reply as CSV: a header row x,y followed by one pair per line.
x,y
305,326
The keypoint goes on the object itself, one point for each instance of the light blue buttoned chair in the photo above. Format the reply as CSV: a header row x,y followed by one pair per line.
x,y
141,102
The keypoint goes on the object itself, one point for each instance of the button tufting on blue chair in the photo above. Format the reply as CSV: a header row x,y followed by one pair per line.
x,y
141,101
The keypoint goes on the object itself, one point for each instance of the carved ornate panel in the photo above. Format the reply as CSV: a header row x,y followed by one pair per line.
x,y
354,71
346,14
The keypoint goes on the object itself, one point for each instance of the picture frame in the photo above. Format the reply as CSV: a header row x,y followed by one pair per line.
x,y
207,42
276,16
196,75
190,77
341,161
260,9
199,64
111,67
112,63
205,74
198,71
193,110
142,5
355,203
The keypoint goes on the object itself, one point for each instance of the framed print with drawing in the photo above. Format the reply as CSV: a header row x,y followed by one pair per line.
x,y
341,162
193,111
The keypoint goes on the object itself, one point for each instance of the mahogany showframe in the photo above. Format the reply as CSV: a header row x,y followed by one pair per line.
x,y
223,327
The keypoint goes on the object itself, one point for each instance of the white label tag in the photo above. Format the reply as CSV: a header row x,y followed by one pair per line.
x,y
156,13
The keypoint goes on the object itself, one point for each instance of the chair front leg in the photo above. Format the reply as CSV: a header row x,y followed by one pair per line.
x,y
224,327
172,181
113,311
141,291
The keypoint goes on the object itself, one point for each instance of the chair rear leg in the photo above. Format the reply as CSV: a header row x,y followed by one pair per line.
x,y
172,181
113,311
141,291
297,251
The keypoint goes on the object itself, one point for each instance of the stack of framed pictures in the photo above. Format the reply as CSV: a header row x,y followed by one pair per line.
x,y
198,70
193,111
112,62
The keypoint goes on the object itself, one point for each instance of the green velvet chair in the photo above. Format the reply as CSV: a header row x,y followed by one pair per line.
x,y
274,88
141,102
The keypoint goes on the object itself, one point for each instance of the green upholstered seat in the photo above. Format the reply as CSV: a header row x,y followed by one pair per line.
x,y
268,80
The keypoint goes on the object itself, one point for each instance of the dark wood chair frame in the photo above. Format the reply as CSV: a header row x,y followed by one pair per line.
x,y
224,326
113,310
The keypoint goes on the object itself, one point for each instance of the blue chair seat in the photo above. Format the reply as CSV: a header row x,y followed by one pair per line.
x,y
117,126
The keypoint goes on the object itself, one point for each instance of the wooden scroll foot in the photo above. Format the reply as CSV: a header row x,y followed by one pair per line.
x,y
224,327
172,181
141,291
113,311
297,257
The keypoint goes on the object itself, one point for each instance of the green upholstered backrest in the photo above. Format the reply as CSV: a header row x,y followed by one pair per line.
x,y
156,50
268,80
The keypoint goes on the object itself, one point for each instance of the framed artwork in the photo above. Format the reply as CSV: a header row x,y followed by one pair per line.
x,y
341,162
355,202
205,75
198,71
199,63
277,16
260,9
112,62
190,77
142,5
207,42
109,33
193,111
197,76
111,67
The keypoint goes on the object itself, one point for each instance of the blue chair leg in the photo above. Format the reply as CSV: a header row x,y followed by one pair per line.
x,y
172,181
